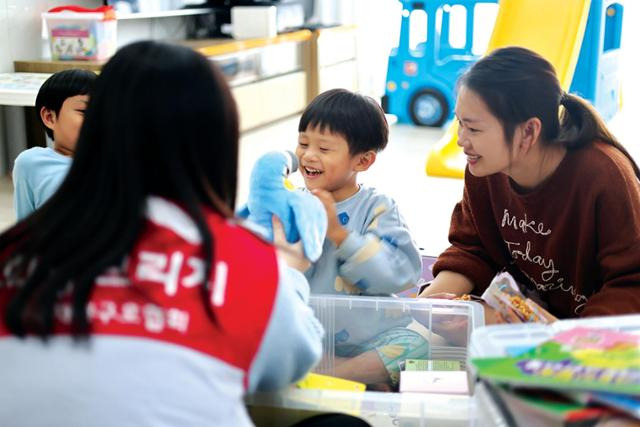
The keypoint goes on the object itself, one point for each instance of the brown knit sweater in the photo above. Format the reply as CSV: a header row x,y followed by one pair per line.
x,y
575,238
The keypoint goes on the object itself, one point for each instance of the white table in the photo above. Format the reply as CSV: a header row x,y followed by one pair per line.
x,y
20,89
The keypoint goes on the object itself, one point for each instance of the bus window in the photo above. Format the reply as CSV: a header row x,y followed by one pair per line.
x,y
457,26
484,20
417,31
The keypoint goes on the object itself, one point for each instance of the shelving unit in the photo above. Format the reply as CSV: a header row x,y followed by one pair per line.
x,y
164,13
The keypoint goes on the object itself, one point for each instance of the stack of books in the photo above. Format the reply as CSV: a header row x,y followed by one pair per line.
x,y
577,378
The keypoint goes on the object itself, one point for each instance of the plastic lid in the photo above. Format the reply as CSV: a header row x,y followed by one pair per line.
x,y
108,11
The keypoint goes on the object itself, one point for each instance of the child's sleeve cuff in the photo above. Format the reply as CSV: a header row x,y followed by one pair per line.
x,y
349,246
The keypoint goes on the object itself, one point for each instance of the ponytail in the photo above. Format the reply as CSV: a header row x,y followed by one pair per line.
x,y
580,125
517,84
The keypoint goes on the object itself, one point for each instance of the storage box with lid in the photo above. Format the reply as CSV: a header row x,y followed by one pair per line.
x,y
78,33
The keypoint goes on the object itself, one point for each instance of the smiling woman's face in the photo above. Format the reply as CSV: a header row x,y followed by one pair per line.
x,y
481,135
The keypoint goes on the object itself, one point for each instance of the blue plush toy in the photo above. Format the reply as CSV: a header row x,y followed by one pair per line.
x,y
302,215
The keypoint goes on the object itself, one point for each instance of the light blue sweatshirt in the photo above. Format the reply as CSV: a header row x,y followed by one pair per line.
x,y
378,257
37,174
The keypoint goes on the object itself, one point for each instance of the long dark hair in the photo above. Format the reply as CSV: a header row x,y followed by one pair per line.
x,y
518,84
161,120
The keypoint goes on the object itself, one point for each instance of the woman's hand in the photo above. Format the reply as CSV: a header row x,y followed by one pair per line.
x,y
335,231
292,254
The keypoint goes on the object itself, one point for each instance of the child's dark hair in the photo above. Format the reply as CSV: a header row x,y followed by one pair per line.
x,y
60,86
517,84
357,118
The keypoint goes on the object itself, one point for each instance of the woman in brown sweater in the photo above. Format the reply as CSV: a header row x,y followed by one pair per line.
x,y
550,194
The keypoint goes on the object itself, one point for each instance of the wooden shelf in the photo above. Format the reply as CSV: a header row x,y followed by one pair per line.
x,y
163,13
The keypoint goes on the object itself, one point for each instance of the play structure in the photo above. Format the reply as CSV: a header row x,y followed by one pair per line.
x,y
581,38
421,77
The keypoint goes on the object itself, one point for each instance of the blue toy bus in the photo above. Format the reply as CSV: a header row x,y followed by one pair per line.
x,y
421,77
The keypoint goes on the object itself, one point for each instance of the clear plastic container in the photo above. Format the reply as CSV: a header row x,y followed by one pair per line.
x,y
378,409
358,321
78,33
447,325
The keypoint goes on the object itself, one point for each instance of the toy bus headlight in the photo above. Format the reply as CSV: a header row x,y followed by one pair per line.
x,y
410,68
391,86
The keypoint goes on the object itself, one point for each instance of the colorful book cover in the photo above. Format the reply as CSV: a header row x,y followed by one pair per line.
x,y
584,359
623,402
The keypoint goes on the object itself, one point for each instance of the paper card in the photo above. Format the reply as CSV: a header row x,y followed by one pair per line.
x,y
446,382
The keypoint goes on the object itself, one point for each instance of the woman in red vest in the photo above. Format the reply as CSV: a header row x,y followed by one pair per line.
x,y
133,296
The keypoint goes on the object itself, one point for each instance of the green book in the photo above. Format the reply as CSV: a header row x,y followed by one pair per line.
x,y
584,359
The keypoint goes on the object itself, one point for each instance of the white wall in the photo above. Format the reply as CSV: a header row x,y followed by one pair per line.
x,y
378,24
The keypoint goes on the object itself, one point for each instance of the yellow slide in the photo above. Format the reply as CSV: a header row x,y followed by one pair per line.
x,y
552,28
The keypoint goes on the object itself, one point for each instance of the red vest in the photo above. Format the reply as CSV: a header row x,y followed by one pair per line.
x,y
156,294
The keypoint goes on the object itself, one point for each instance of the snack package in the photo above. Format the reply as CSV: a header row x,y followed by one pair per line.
x,y
504,296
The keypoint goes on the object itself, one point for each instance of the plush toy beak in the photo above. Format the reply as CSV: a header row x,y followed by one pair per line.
x,y
288,185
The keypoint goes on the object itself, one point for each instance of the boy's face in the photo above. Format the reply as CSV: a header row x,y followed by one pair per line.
x,y
67,123
325,163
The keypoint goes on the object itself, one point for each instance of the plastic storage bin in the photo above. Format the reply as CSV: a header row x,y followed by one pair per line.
x,y
354,321
78,33
447,325
292,405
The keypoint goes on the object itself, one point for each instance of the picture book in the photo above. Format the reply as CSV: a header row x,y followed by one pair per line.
x,y
586,359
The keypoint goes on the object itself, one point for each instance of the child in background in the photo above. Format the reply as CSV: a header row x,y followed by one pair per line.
x,y
38,171
368,249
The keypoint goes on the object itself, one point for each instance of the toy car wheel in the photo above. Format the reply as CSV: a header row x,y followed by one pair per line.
x,y
428,108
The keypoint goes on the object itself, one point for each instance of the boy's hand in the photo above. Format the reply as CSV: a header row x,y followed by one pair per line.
x,y
335,231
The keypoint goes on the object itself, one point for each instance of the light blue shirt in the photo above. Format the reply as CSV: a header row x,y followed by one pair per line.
x,y
37,174
378,257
